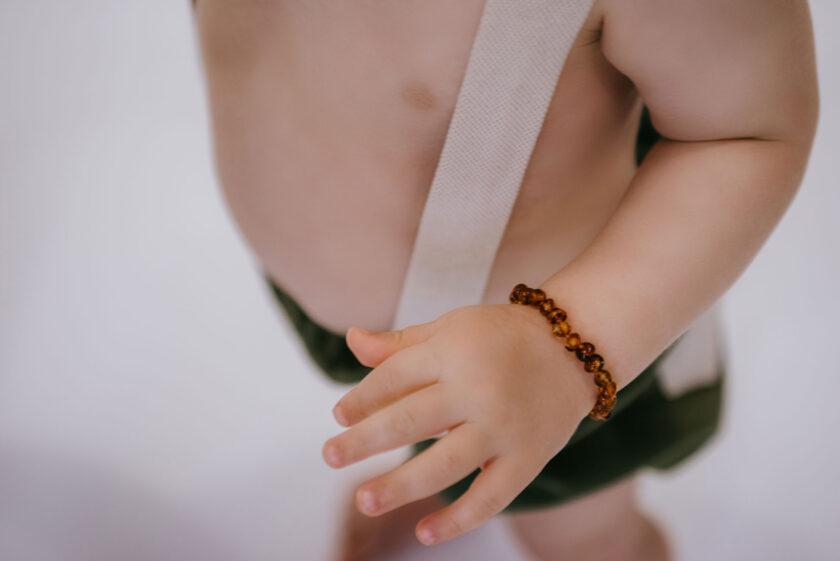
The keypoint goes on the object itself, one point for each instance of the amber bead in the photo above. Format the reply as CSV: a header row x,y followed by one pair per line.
x,y
602,377
585,350
572,341
528,297
537,296
546,306
556,315
600,415
519,294
561,329
593,363
599,411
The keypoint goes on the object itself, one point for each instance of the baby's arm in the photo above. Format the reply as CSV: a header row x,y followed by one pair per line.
x,y
732,88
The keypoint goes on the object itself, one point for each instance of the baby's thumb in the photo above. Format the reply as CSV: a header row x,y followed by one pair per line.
x,y
372,347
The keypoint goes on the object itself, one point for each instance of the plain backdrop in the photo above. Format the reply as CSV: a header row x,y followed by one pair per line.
x,y
154,403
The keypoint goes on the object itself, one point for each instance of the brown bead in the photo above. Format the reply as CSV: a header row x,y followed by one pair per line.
x,y
599,413
585,350
555,329
561,329
556,315
593,363
537,296
602,377
521,294
607,390
572,341
546,306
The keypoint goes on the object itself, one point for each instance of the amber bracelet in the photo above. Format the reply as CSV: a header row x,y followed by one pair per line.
x,y
585,351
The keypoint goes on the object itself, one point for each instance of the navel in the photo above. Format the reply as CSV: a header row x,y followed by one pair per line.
x,y
417,95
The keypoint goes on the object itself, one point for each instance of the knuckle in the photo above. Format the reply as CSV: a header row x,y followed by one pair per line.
x,y
389,381
455,527
404,421
446,462
481,508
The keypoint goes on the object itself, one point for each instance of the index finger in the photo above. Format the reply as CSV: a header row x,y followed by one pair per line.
x,y
404,372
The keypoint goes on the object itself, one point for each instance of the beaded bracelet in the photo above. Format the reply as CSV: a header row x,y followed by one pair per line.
x,y
585,351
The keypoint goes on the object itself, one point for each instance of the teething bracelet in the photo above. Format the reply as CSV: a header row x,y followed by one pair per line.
x,y
585,351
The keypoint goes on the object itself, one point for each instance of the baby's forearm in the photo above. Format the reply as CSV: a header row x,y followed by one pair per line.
x,y
694,216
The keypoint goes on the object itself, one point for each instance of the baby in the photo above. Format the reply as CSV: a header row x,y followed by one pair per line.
x,y
329,119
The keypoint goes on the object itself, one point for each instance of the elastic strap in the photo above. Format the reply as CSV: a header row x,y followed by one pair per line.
x,y
516,58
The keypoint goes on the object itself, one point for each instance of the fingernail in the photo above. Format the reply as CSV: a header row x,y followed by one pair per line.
x,y
369,502
333,455
427,537
339,415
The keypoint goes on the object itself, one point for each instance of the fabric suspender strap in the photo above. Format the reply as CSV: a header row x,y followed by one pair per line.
x,y
516,58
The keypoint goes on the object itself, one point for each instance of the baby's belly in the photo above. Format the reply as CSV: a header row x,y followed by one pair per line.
x,y
326,148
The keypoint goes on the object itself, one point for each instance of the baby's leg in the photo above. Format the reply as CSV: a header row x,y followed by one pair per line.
x,y
604,525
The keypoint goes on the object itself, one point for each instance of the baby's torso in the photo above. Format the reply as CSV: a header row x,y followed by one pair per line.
x,y
329,119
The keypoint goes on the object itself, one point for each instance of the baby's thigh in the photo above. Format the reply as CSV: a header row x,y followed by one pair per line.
x,y
605,524
584,516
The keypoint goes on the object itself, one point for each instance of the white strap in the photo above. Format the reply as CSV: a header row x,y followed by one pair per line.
x,y
516,58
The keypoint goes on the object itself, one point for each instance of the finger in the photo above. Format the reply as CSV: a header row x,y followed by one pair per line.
x,y
418,416
396,377
372,347
447,461
490,492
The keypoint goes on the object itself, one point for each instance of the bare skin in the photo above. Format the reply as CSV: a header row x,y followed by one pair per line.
x,y
329,118
604,525
331,115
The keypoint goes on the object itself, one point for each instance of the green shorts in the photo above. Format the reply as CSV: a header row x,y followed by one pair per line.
x,y
647,428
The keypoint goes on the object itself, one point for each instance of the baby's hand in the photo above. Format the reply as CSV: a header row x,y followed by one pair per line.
x,y
494,376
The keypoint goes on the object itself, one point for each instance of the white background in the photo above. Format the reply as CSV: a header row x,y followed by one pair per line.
x,y
154,404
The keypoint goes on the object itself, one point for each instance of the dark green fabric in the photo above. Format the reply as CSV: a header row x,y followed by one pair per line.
x,y
326,348
646,428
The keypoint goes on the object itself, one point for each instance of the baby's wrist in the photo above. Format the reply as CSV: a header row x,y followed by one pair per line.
x,y
593,363
581,392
